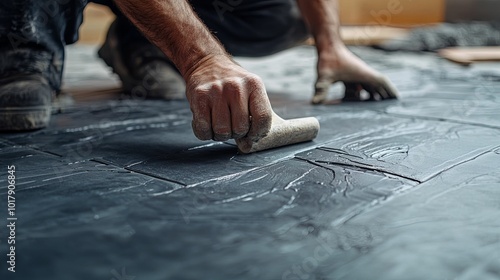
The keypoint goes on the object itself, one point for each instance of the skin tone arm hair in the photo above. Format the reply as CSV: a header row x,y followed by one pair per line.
x,y
226,100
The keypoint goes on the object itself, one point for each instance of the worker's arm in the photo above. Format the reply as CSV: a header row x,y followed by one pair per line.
x,y
335,62
222,95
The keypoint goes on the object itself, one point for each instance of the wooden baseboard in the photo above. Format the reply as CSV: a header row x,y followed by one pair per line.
x,y
391,12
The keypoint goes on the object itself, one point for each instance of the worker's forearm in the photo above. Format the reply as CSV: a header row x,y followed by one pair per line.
x,y
322,18
175,29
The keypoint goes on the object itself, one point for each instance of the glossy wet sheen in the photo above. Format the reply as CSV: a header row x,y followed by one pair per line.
x,y
405,189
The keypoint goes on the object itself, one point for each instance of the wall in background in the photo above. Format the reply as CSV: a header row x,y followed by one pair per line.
x,y
96,20
391,12
458,10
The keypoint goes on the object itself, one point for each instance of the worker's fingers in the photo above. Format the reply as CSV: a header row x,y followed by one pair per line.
x,y
201,124
373,91
383,93
200,101
227,101
389,88
381,90
259,108
221,121
377,91
322,87
374,95
238,106
352,92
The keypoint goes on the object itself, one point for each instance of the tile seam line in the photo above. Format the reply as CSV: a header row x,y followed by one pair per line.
x,y
440,120
137,172
96,161
7,141
157,177
318,163
460,163
414,188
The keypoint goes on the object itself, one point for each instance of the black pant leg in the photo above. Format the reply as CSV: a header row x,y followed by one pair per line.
x,y
253,27
33,34
245,27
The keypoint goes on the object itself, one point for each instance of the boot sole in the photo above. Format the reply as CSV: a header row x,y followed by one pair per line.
x,y
24,118
110,54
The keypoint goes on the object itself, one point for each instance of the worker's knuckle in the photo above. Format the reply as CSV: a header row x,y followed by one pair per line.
x,y
216,87
233,87
253,81
208,90
233,83
200,94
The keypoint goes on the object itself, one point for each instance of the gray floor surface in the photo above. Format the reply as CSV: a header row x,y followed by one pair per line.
x,y
408,189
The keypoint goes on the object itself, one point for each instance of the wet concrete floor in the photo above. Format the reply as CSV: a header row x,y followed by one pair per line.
x,y
121,189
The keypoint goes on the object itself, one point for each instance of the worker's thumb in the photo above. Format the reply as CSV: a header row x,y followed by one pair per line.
x,y
321,89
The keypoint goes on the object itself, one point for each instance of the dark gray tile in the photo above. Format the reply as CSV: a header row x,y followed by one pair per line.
x,y
121,188
4,144
192,165
59,202
412,149
481,112
239,227
449,225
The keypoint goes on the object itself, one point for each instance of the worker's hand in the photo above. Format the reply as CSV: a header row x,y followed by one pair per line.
x,y
227,101
340,65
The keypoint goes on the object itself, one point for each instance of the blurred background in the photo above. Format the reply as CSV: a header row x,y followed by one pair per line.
x,y
462,31
393,13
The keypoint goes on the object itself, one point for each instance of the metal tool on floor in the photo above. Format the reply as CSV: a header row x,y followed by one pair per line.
x,y
282,133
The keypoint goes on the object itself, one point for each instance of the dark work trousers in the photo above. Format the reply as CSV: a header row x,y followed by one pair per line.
x,y
33,33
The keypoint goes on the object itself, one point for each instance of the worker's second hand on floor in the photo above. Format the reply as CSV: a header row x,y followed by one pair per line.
x,y
191,50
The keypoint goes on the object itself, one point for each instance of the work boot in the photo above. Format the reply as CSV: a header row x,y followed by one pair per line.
x,y
25,102
144,70
25,91
33,35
